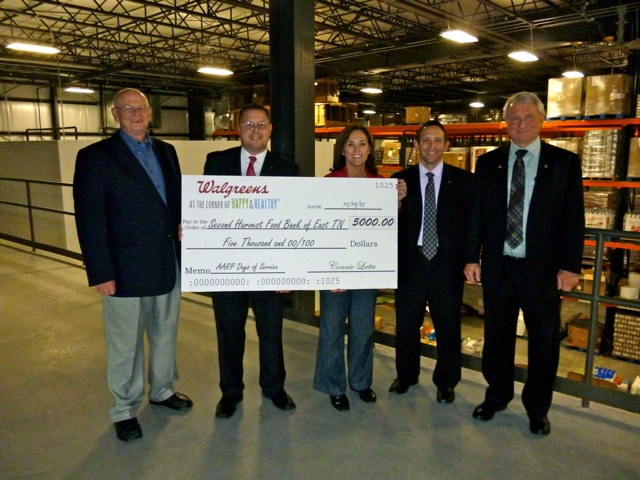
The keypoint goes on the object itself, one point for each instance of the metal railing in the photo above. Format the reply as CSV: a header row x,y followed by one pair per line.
x,y
50,130
30,209
581,389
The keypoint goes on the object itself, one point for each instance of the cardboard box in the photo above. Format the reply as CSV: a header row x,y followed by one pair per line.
x,y
564,97
586,282
594,381
326,90
417,115
578,332
599,219
476,152
390,152
573,144
608,95
633,169
335,114
457,158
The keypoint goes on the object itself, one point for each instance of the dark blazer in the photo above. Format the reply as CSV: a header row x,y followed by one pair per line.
x,y
555,224
454,202
227,162
126,232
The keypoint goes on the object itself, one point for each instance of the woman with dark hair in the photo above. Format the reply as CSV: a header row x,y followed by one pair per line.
x,y
353,158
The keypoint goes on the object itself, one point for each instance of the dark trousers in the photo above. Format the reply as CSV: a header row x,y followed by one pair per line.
x,y
542,319
431,282
231,310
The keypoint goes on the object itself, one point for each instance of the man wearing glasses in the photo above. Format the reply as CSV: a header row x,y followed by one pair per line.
x,y
251,158
525,246
126,190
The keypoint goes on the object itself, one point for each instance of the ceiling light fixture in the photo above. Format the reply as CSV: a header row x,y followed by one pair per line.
x,y
370,89
29,47
79,90
369,111
575,73
459,36
524,55
215,71
477,103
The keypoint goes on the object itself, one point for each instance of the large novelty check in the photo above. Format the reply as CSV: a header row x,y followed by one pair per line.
x,y
288,233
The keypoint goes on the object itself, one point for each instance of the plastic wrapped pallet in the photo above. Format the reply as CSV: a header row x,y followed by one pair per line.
x,y
600,152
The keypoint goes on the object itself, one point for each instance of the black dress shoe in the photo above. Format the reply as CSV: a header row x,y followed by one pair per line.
x,y
128,429
280,399
367,395
446,395
227,405
177,401
540,426
485,411
400,387
340,402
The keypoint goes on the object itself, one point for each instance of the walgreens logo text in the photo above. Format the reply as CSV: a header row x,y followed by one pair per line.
x,y
225,189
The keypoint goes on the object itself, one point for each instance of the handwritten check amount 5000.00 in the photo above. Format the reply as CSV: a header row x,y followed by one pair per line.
x,y
288,233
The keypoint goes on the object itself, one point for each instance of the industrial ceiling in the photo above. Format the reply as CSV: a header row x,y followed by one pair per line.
x,y
160,44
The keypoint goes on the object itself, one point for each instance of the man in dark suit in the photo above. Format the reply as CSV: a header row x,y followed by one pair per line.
x,y
432,228
527,232
231,308
127,203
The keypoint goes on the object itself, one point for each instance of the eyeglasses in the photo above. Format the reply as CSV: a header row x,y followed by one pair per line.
x,y
254,126
528,118
129,110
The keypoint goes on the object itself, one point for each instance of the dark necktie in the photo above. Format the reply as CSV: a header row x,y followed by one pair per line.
x,y
250,171
429,225
516,202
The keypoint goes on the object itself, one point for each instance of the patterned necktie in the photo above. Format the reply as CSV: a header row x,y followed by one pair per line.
x,y
250,171
429,225
516,202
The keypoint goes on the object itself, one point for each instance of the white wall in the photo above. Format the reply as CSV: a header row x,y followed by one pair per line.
x,y
54,161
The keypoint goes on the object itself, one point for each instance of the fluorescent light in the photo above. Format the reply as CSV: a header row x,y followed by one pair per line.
x,y
368,111
477,104
573,74
215,71
29,47
523,56
371,90
458,36
78,90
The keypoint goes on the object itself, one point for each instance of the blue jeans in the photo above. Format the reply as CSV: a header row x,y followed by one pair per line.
x,y
359,306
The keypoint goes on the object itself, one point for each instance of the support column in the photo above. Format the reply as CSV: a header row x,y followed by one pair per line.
x,y
55,116
633,69
291,84
196,111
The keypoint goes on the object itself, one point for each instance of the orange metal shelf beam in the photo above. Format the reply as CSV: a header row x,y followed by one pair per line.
x,y
490,128
610,183
620,245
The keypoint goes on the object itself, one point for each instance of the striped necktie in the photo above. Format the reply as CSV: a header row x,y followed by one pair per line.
x,y
516,202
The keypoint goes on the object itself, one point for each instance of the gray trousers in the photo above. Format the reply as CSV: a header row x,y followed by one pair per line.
x,y
126,319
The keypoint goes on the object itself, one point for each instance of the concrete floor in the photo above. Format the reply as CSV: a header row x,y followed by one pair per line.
x,y
54,403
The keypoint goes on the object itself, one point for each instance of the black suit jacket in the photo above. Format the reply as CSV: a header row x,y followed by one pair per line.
x,y
126,232
555,223
227,162
454,202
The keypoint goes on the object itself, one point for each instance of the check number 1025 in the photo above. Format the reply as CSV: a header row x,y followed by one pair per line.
x,y
372,222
